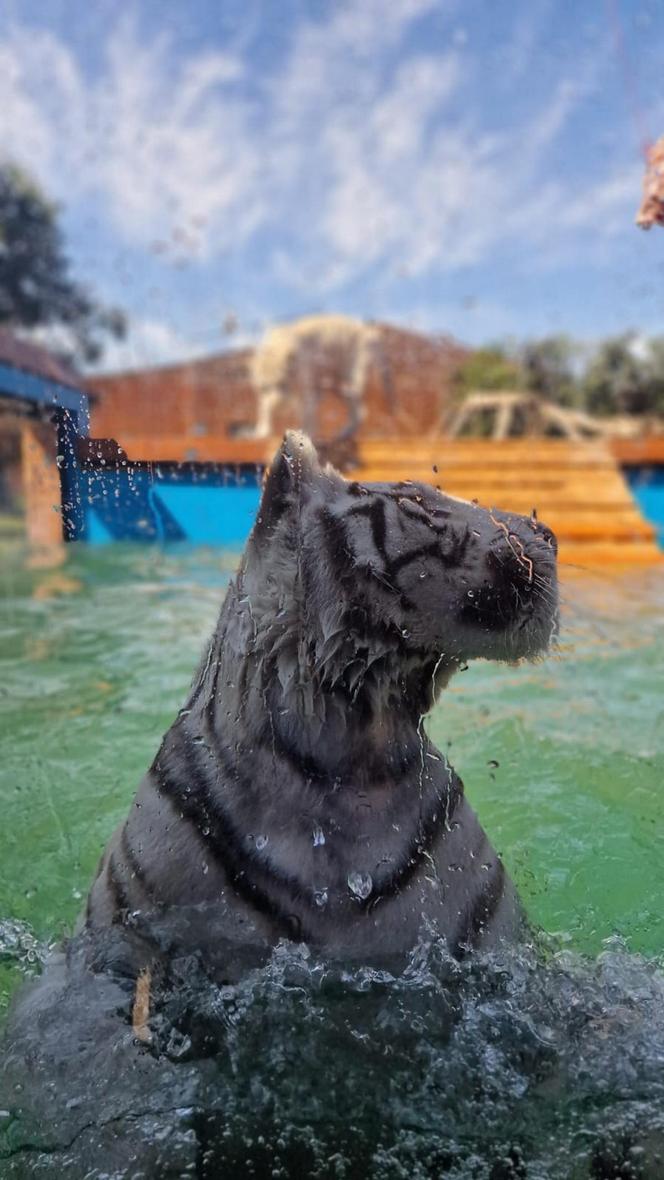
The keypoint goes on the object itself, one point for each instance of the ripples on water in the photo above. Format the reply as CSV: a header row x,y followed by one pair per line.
x,y
544,1063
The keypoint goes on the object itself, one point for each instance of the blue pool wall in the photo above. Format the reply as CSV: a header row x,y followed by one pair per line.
x,y
214,504
200,504
647,486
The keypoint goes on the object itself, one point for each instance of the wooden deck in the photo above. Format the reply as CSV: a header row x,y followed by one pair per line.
x,y
577,488
646,450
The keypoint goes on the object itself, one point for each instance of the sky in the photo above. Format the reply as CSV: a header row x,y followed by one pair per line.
x,y
466,167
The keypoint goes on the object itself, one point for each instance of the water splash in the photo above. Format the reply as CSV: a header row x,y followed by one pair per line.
x,y
530,1063
19,946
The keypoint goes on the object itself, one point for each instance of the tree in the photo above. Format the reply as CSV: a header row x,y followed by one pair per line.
x,y
36,288
625,379
548,369
656,367
488,368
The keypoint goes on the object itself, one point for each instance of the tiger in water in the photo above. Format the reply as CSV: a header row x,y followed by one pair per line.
x,y
297,794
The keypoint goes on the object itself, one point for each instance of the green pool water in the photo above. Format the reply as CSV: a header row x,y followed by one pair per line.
x,y
564,760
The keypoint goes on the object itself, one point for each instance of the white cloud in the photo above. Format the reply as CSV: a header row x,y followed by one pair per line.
x,y
151,342
162,142
394,169
354,154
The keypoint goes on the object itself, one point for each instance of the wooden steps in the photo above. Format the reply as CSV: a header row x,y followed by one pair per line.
x,y
576,487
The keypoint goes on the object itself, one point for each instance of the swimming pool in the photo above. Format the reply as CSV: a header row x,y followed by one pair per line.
x,y
564,760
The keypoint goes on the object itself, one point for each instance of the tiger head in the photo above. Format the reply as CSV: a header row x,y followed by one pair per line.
x,y
346,578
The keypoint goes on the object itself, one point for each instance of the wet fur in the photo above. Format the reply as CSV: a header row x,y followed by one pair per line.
x,y
297,794
352,608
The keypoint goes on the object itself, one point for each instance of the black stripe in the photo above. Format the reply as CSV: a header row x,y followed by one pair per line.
x,y
374,509
212,698
481,910
119,896
430,827
378,521
217,831
205,811
136,869
391,765
337,542
431,550
344,559
449,548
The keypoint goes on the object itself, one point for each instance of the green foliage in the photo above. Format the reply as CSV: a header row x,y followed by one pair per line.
x,y
547,368
625,374
36,288
656,361
626,377
488,368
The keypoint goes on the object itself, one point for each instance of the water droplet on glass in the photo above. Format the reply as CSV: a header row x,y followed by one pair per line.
x,y
320,897
471,593
360,884
206,869
318,836
60,460
260,842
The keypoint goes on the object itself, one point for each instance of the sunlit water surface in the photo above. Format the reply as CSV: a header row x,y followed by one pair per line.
x,y
544,1062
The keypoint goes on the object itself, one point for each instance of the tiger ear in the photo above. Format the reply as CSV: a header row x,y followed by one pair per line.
x,y
294,466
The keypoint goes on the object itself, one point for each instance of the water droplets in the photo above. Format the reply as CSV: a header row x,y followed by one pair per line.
x,y
261,842
360,885
321,898
318,836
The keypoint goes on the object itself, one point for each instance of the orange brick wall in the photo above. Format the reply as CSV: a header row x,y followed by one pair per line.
x,y
209,397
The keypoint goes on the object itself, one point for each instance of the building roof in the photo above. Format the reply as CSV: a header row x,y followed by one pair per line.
x,y
32,358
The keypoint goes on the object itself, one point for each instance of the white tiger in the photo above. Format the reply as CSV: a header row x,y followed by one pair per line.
x,y
297,791
296,796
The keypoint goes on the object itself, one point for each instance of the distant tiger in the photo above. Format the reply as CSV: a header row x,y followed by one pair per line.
x,y
297,794
315,353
